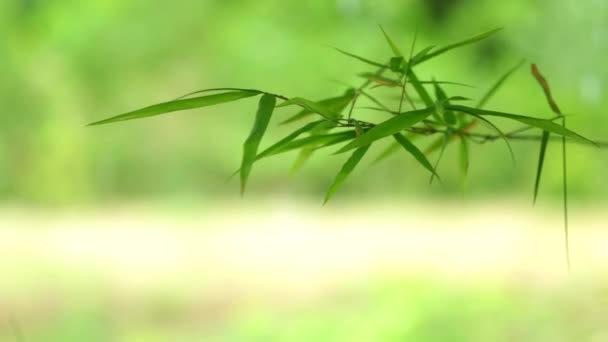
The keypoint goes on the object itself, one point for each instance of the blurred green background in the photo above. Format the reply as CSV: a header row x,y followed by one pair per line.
x,y
88,213
67,63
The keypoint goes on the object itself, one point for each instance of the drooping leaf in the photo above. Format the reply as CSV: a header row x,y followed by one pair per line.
x,y
177,105
334,105
414,151
462,43
487,96
478,116
346,170
447,136
546,89
541,160
250,147
364,60
464,156
388,127
547,125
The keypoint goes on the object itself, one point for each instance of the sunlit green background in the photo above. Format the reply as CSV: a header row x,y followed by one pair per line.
x,y
66,63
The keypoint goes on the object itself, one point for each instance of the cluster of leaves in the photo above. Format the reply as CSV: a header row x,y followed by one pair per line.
x,y
334,121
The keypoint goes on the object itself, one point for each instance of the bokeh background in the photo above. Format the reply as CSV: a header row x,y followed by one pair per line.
x,y
131,232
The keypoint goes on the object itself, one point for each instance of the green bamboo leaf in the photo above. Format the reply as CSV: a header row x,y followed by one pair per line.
x,y
422,92
464,156
317,140
289,138
462,43
541,160
442,101
362,59
546,125
250,147
182,104
388,127
475,114
447,136
346,170
393,82
484,100
390,42
334,105
420,55
312,106
396,64
414,151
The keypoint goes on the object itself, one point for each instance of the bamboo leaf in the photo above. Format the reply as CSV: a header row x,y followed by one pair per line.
x,y
424,95
471,40
388,127
442,100
312,106
476,113
464,157
181,104
346,170
541,160
334,105
420,55
547,125
364,60
289,138
447,136
414,151
484,100
250,147
546,89
390,42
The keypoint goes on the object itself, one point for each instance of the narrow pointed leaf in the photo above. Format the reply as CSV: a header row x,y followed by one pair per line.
x,y
462,43
487,96
250,147
476,114
346,170
464,157
334,105
388,127
289,138
414,151
390,42
420,55
442,100
364,60
541,160
546,89
312,106
177,105
422,92
547,125
447,136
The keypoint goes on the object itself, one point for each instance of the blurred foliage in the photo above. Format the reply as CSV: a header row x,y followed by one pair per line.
x,y
386,309
66,63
